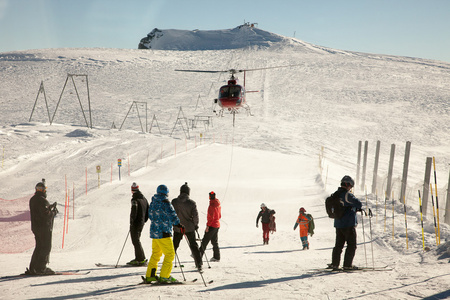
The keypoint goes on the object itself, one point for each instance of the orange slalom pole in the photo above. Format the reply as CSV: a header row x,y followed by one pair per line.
x,y
86,180
64,225
68,211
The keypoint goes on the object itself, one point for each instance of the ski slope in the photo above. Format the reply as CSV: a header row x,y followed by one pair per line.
x,y
330,99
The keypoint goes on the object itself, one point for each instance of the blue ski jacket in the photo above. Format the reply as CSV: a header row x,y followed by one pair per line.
x,y
351,205
162,216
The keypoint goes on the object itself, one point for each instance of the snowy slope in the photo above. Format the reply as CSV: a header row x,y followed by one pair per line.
x,y
331,98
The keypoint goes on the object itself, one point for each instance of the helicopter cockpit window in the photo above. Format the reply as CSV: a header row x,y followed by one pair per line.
x,y
235,91
230,91
224,92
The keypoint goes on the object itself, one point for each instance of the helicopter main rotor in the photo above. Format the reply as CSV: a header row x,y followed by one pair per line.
x,y
235,71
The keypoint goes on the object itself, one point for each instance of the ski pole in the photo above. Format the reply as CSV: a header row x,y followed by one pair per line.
x,y
370,227
181,268
364,237
371,240
122,248
203,251
200,272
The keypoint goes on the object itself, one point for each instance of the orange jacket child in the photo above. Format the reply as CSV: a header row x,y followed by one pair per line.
x,y
304,220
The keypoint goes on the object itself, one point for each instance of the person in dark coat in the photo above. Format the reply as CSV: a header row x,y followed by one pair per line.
x,y
138,217
186,209
346,226
42,215
267,216
212,227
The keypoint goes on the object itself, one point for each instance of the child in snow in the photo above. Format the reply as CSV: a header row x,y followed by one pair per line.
x,y
267,220
163,217
306,226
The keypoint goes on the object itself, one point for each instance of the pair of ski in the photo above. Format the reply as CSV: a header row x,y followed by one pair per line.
x,y
157,283
359,269
100,265
53,274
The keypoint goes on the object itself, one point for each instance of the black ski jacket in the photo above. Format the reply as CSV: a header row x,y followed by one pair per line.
x,y
41,213
139,209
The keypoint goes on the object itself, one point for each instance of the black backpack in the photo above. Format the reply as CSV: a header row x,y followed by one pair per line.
x,y
335,208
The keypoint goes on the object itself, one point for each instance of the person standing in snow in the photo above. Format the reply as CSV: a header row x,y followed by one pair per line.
x,y
42,216
267,217
306,224
346,226
138,217
212,227
163,217
186,209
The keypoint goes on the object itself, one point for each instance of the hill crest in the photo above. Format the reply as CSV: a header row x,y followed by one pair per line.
x,y
242,36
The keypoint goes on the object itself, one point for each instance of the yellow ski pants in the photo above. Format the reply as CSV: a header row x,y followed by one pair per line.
x,y
160,247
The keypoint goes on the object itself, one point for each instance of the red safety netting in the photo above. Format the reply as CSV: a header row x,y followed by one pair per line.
x,y
15,227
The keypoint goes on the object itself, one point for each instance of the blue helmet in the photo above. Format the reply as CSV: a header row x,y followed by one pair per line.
x,y
162,189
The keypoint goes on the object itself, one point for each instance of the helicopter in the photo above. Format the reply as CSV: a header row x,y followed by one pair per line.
x,y
232,95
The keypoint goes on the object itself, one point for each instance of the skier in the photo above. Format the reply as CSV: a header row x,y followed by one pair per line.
x,y
42,216
163,217
346,226
304,220
138,217
212,227
186,209
267,217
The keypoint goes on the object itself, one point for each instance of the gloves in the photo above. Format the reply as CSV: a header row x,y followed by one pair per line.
x,y
370,213
181,227
256,225
53,208
196,227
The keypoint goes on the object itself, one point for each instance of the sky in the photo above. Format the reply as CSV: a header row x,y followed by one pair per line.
x,y
414,28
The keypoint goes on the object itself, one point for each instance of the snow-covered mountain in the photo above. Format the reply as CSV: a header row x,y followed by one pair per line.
x,y
327,98
243,36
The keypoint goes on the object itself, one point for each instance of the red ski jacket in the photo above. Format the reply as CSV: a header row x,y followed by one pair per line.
x,y
214,213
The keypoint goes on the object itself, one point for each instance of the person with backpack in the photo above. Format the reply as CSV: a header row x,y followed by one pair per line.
x,y
268,222
212,227
306,223
138,217
163,218
345,225
186,209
